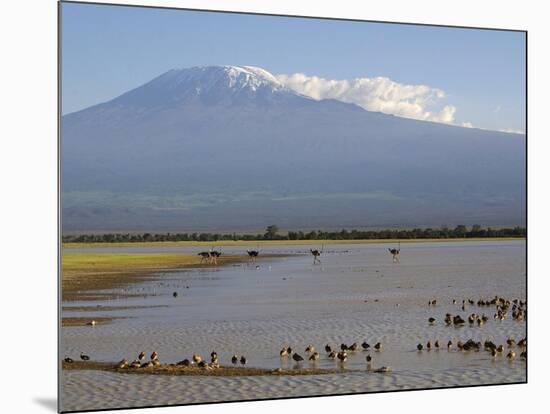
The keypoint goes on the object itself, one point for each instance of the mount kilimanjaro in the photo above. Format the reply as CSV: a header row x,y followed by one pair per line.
x,y
231,148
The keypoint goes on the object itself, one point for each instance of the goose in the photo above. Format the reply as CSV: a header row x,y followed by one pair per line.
x,y
141,356
243,360
197,358
369,359
378,346
332,355
365,345
148,364
202,364
343,347
420,347
84,357
429,346
310,349
296,357
328,349
122,364
184,363
69,360
283,353
511,355
457,320
382,370
342,356
213,355
449,345
135,364
154,356
436,344
354,347
155,362
431,320
314,356
234,359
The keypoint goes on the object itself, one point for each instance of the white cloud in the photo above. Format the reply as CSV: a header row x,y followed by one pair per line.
x,y
377,94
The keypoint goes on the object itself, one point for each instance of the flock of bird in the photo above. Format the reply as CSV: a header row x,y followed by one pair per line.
x,y
490,346
340,356
503,307
196,360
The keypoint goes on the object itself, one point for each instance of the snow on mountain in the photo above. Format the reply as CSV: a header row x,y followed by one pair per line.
x,y
210,84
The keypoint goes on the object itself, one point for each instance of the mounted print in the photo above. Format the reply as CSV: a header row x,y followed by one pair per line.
x,y
260,206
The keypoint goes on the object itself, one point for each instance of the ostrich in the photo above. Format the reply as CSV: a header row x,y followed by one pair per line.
x,y
395,253
253,254
205,256
316,253
214,255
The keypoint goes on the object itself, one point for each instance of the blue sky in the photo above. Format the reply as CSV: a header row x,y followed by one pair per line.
x,y
107,50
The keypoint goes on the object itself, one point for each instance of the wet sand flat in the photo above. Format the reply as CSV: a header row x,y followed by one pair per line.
x,y
355,294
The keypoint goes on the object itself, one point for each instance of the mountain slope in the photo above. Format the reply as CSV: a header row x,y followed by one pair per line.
x,y
231,147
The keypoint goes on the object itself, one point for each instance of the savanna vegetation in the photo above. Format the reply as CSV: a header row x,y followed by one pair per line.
x,y
272,233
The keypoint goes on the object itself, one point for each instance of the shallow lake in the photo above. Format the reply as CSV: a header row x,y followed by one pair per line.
x,y
357,293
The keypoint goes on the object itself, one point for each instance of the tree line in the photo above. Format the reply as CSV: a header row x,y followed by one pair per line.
x,y
272,233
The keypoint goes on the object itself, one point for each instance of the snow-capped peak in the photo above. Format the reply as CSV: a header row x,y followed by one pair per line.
x,y
231,76
251,76
227,84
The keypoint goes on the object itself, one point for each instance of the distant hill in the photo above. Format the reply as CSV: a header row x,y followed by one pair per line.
x,y
229,147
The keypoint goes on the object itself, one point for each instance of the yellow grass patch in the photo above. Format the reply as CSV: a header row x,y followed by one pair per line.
x,y
278,242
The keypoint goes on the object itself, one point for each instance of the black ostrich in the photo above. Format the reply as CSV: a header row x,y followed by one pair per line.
x,y
253,254
316,253
395,253
205,257
214,255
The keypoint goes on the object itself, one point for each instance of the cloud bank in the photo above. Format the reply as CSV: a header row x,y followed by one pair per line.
x,y
379,94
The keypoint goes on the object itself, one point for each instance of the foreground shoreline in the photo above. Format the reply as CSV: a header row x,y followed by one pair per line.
x,y
73,245
222,371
